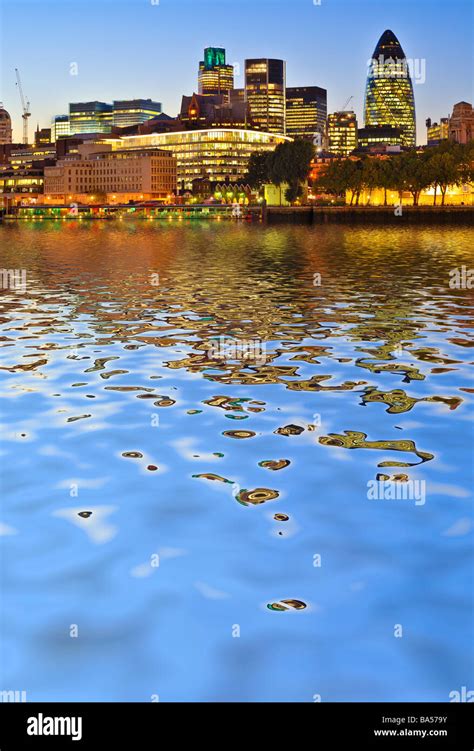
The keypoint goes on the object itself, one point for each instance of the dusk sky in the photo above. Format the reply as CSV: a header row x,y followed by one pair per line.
x,y
142,48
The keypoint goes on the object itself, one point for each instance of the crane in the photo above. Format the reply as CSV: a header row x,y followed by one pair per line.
x,y
346,103
25,106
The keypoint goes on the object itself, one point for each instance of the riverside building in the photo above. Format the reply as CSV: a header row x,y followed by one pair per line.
x,y
99,174
218,154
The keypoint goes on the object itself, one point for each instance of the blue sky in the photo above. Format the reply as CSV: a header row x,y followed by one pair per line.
x,y
144,48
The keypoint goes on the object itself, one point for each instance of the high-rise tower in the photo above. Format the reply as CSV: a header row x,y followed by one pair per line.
x,y
342,132
265,87
306,112
389,96
215,77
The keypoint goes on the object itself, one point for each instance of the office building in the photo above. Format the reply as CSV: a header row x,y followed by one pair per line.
x,y
215,76
90,117
379,138
265,84
306,113
42,136
214,153
389,96
100,174
59,127
342,132
20,184
436,133
127,112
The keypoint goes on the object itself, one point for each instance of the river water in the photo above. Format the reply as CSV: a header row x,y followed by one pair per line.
x,y
236,462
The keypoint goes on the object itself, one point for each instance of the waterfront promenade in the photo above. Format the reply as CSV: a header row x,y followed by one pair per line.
x,y
252,213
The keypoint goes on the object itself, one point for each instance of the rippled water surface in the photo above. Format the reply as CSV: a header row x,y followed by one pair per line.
x,y
188,525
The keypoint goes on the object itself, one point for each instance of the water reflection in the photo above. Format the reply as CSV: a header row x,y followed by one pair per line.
x,y
359,337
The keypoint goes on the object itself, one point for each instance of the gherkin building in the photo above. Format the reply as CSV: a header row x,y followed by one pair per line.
x,y
389,96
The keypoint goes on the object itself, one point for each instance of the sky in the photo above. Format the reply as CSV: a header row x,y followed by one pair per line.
x,y
81,50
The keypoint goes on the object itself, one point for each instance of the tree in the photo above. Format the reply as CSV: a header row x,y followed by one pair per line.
x,y
450,164
331,179
385,179
417,177
258,169
395,177
355,178
368,178
412,171
293,192
340,176
290,163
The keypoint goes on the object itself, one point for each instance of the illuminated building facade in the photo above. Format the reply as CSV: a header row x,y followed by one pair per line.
x,y
28,180
42,136
215,77
157,124
218,154
23,156
100,174
436,133
389,96
306,112
461,123
211,111
5,126
128,112
379,137
60,127
342,132
90,117
197,111
265,84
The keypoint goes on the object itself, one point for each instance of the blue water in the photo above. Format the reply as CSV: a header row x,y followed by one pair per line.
x,y
163,590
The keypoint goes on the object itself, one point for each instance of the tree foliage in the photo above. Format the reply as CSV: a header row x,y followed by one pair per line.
x,y
409,171
289,163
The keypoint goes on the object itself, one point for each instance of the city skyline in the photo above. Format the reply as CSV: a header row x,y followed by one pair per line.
x,y
73,60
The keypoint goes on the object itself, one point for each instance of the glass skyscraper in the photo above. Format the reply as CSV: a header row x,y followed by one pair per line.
x,y
90,117
306,111
342,132
134,111
265,85
59,127
215,76
389,96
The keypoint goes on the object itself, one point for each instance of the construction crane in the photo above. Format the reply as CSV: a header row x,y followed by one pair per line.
x,y
344,107
25,106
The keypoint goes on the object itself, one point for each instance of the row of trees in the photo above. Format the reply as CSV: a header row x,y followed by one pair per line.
x,y
409,171
289,163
